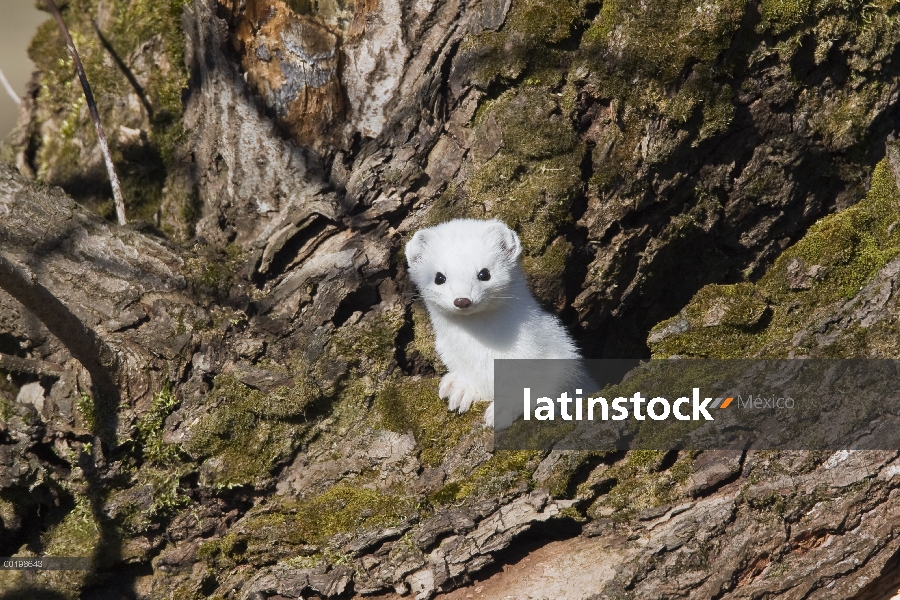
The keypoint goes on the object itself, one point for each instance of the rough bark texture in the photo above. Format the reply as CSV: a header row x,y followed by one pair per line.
x,y
236,397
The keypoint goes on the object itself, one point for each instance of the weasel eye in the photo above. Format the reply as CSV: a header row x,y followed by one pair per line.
x,y
439,278
484,275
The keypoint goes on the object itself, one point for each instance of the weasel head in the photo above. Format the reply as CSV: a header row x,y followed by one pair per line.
x,y
465,266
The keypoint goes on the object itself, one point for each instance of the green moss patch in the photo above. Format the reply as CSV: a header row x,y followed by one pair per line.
x,y
213,271
651,45
504,471
248,432
306,528
413,405
533,180
781,15
6,409
831,264
531,41
657,38
150,430
78,534
370,343
641,485
423,339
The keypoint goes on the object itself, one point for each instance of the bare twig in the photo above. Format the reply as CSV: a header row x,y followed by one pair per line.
x,y
92,106
28,365
9,89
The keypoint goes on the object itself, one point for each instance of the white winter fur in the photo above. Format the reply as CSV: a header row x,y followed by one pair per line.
x,y
503,321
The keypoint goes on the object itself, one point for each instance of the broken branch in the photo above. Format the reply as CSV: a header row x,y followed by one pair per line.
x,y
28,365
92,106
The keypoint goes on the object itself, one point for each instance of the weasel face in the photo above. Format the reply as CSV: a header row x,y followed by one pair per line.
x,y
464,266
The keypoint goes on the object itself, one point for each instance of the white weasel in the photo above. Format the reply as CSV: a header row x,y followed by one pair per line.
x,y
470,276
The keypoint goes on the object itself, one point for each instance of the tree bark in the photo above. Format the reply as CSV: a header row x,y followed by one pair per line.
x,y
240,398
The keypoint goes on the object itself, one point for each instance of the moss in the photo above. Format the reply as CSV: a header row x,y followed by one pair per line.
x,y
838,256
743,307
717,113
656,40
150,430
781,15
97,415
573,514
370,341
225,552
157,471
546,272
147,36
88,411
423,338
559,484
640,484
347,509
449,205
534,199
305,529
7,409
249,432
77,535
413,405
447,494
506,469
532,181
155,494
530,41
9,516
213,271
844,121
531,123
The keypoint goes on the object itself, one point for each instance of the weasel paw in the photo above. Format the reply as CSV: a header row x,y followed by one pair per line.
x,y
457,392
489,416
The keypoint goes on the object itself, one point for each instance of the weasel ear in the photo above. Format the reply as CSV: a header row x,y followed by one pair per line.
x,y
415,248
507,239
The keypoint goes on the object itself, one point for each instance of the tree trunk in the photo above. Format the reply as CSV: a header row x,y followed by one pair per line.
x,y
236,395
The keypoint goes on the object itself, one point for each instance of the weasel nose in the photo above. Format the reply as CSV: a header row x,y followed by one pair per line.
x,y
462,303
